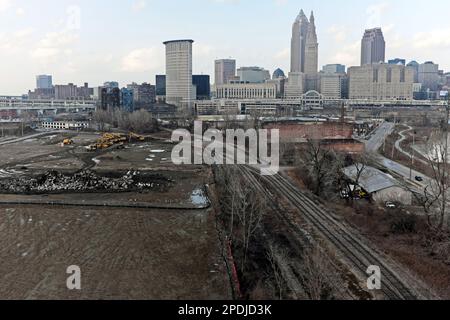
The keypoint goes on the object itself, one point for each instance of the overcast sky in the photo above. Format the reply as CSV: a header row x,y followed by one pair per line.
x,y
99,40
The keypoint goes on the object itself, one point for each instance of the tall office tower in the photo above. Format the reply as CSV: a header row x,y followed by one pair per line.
x,y
333,68
298,42
44,82
311,49
202,84
429,75
225,70
179,89
373,47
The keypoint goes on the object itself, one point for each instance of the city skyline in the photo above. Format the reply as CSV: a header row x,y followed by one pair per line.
x,y
74,44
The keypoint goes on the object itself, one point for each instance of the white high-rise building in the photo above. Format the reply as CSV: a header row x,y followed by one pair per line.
x,y
225,70
179,89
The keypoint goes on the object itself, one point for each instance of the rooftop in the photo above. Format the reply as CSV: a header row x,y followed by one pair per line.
x,y
182,40
371,180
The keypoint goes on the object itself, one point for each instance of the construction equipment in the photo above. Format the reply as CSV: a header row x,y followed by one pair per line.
x,y
67,142
136,137
108,140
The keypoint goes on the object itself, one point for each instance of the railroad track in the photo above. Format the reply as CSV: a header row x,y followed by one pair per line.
x,y
357,253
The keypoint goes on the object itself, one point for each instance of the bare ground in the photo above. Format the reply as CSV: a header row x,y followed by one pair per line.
x,y
122,254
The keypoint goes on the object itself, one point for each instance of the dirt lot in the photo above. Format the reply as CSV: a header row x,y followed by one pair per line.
x,y
123,254
126,253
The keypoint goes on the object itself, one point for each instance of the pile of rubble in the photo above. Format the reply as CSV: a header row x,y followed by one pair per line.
x,y
84,181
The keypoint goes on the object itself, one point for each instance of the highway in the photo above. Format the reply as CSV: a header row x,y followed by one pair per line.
x,y
378,138
376,141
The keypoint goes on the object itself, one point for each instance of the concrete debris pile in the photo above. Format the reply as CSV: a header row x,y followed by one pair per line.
x,y
84,181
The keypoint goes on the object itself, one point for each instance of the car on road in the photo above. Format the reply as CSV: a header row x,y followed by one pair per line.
x,y
391,205
418,178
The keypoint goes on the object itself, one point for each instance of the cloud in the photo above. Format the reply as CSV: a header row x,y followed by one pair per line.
x,y
20,12
55,51
15,42
339,33
283,54
434,39
5,5
139,5
348,54
143,60
375,12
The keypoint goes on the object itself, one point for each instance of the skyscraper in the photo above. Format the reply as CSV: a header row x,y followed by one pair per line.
x,y
44,82
179,89
304,57
373,47
311,49
225,70
429,75
298,42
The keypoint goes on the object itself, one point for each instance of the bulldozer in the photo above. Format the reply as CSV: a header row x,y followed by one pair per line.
x,y
136,137
67,142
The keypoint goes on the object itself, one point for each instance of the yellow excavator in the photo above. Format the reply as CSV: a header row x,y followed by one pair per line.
x,y
67,142
110,139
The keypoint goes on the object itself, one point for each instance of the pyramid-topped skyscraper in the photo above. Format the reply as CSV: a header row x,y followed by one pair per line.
x,y
304,45
311,49
304,74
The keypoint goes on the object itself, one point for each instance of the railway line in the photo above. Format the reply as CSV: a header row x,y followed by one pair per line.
x,y
357,254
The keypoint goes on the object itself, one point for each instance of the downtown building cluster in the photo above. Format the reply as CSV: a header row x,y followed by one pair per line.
x,y
108,96
249,88
241,89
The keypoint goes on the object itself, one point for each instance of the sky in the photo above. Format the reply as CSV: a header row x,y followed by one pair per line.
x,y
95,41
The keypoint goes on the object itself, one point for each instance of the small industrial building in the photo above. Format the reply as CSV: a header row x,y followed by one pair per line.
x,y
381,186
64,125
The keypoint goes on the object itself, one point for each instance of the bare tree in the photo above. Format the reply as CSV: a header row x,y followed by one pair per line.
x,y
250,208
278,260
102,117
245,207
141,121
434,196
317,160
319,277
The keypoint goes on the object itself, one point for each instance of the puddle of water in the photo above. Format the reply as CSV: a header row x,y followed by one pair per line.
x,y
199,198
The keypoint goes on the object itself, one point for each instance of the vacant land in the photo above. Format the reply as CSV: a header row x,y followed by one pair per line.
x,y
123,253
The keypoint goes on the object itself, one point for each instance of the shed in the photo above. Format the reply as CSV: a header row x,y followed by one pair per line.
x,y
381,186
